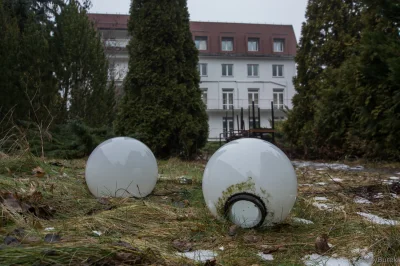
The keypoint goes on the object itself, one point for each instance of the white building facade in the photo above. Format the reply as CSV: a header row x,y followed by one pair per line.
x,y
238,64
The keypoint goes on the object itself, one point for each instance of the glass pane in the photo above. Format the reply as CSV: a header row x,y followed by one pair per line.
x,y
250,98
204,67
223,70
274,70
256,98
230,68
203,45
248,70
280,71
281,98
275,98
224,100
231,98
255,70
230,46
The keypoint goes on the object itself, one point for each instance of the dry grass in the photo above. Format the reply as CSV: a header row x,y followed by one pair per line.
x,y
141,232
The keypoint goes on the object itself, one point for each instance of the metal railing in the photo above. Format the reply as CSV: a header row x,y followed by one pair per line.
x,y
236,104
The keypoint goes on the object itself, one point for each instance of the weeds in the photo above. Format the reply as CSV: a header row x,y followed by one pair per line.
x,y
143,232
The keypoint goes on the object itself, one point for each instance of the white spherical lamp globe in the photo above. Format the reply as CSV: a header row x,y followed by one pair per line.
x,y
121,167
250,182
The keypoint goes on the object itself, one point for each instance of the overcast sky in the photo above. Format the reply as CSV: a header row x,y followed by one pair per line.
x,y
248,11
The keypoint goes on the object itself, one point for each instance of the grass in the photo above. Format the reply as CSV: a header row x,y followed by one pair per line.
x,y
142,232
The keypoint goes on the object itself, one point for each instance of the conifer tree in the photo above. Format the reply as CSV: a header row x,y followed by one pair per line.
x,y
81,68
162,104
330,30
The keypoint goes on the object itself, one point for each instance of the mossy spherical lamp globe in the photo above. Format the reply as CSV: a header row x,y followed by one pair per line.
x,y
251,182
121,167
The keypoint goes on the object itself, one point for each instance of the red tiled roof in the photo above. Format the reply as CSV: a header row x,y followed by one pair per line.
x,y
110,21
215,31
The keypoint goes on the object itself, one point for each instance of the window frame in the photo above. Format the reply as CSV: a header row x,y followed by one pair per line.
x,y
227,125
226,70
253,39
228,105
202,38
278,92
253,92
225,39
200,69
277,71
204,92
252,70
282,45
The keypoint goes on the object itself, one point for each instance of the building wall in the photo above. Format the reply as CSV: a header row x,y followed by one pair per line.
x,y
116,37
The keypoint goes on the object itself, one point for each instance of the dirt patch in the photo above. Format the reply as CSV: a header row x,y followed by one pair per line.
x,y
370,192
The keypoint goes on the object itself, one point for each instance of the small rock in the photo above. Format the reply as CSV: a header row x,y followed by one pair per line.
x,y
251,239
52,238
267,249
11,241
103,201
182,246
233,230
321,244
20,232
212,262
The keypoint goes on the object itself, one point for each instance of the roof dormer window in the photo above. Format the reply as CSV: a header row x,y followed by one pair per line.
x,y
227,44
279,45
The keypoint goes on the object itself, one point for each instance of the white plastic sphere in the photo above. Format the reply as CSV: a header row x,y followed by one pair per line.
x,y
251,182
121,167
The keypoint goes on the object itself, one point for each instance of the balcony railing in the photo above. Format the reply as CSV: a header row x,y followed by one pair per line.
x,y
120,43
218,104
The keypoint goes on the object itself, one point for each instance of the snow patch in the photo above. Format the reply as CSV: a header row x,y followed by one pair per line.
x,y
328,206
360,200
325,166
267,257
301,220
321,183
98,233
199,255
378,220
379,196
337,180
394,178
49,229
394,196
306,185
321,199
318,260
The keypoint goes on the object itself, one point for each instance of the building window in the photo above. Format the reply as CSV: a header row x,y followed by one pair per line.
x,y
227,99
252,70
227,44
204,96
253,96
253,44
202,68
277,70
278,98
227,70
201,42
227,126
279,44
